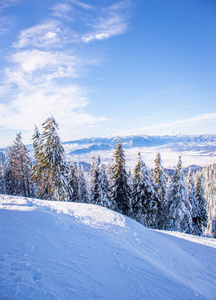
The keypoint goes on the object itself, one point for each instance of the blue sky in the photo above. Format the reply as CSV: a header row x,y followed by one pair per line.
x,y
107,67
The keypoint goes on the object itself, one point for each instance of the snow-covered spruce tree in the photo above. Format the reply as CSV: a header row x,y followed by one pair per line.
x,y
2,178
73,183
8,172
99,189
208,175
195,205
214,227
178,206
143,197
94,182
38,172
18,170
199,194
160,182
83,187
110,180
51,173
104,187
120,190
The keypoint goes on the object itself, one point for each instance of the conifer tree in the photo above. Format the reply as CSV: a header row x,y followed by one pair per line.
x,y
208,175
104,187
178,206
195,205
160,183
9,180
99,188
203,216
18,169
38,171
214,227
143,200
121,193
83,187
50,170
110,181
2,179
94,182
73,183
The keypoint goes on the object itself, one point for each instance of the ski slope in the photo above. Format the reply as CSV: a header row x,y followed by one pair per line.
x,y
58,250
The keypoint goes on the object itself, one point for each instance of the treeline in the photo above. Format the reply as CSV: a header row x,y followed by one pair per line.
x,y
208,176
148,196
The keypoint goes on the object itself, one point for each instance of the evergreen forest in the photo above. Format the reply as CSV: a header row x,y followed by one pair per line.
x,y
178,203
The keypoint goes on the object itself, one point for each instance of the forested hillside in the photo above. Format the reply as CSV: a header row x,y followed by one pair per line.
x,y
178,202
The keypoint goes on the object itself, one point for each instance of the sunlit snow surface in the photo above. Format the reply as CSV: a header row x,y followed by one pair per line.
x,y
55,250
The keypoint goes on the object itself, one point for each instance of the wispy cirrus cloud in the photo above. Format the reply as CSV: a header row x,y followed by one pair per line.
x,y
83,5
42,35
111,21
60,9
6,22
44,61
106,28
55,64
6,3
32,107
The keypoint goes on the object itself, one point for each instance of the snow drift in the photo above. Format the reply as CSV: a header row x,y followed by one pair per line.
x,y
58,250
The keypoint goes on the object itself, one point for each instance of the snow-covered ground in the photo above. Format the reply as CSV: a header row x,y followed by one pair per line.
x,y
55,250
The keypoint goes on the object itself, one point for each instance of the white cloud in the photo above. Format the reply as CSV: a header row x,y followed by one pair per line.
x,y
109,21
98,36
30,61
67,104
120,5
35,92
6,3
83,4
40,69
37,67
105,28
61,8
42,35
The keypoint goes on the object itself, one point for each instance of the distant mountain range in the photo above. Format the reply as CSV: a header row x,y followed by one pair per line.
x,y
197,150
205,143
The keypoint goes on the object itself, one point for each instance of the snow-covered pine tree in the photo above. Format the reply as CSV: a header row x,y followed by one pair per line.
x,y
143,199
2,178
208,175
83,187
94,182
104,187
195,205
18,169
160,181
109,175
121,192
73,183
38,172
199,194
214,227
178,206
8,171
52,169
99,188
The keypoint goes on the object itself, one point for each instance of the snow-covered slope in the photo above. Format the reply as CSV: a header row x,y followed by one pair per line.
x,y
53,250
